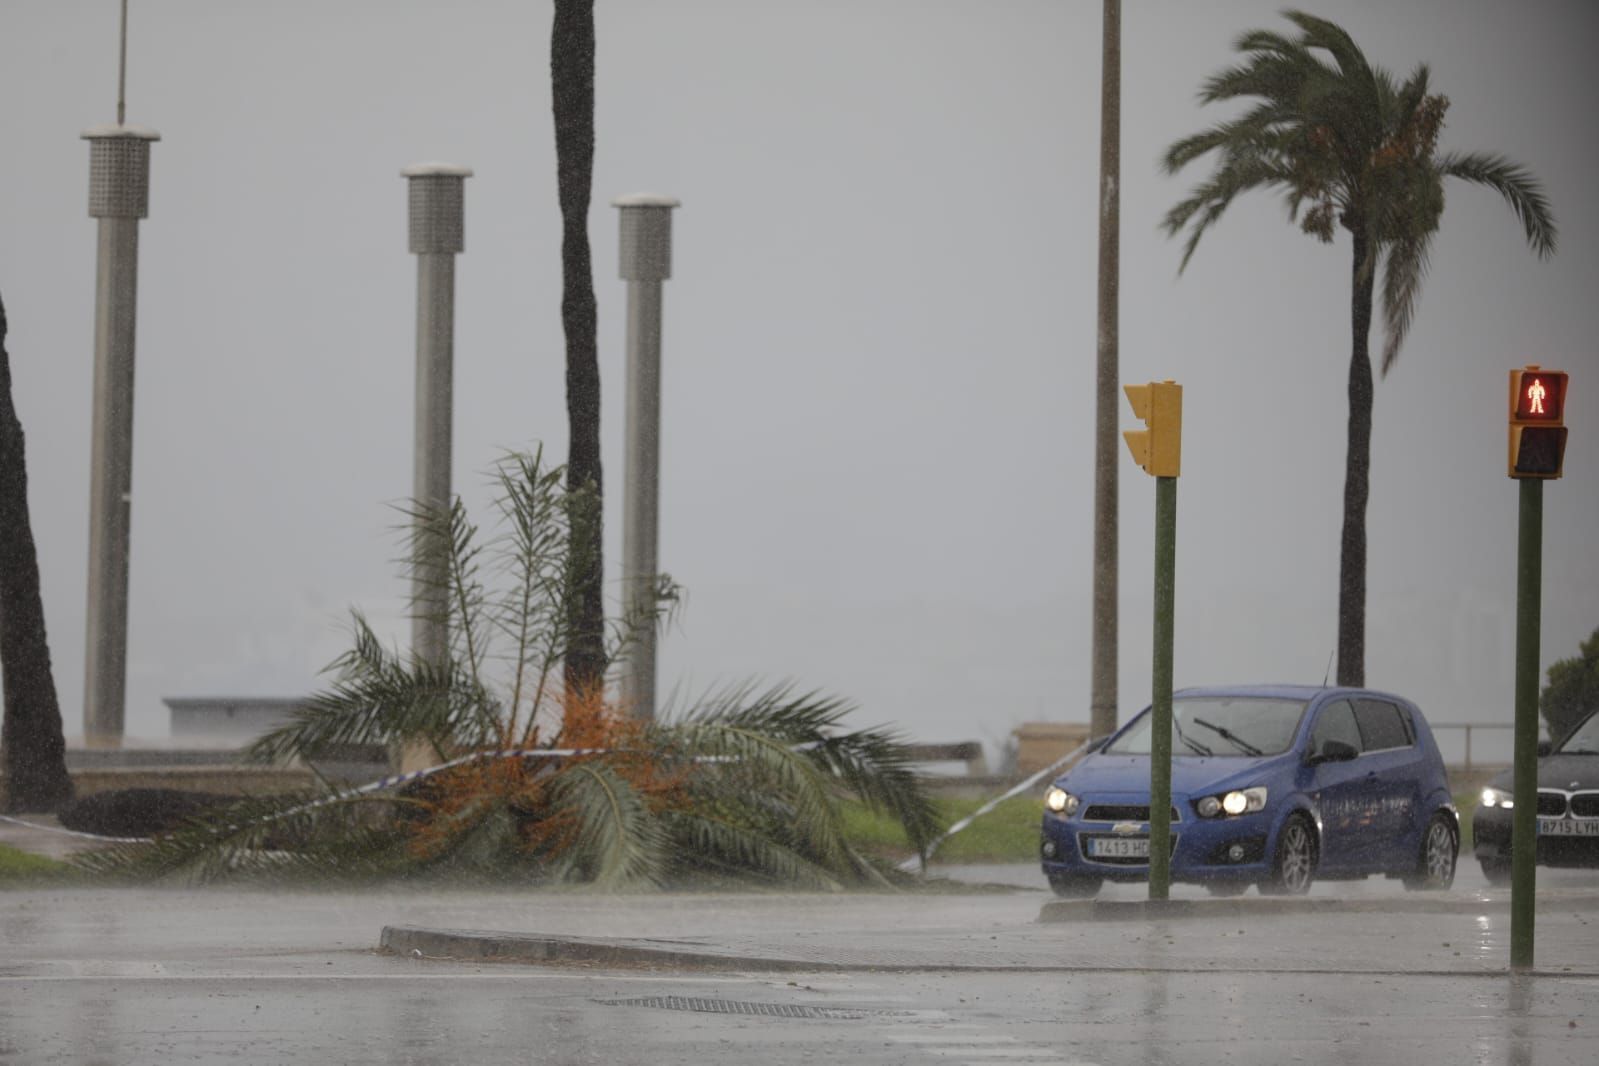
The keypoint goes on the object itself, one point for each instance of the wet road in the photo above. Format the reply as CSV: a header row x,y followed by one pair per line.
x,y
174,977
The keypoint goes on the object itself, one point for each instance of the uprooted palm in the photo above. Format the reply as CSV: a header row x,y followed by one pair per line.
x,y
540,782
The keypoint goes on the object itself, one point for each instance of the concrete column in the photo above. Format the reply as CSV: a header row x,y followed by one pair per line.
x,y
119,194
436,236
646,261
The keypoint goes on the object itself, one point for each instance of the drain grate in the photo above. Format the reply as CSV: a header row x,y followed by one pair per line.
x,y
768,1010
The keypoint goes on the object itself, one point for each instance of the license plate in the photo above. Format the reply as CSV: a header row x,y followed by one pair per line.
x,y
1568,827
1118,847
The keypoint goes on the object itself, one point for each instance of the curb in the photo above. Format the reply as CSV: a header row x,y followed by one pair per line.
x,y
482,946
1147,909
466,944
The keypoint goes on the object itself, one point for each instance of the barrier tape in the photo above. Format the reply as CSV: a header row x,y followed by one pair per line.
x,y
383,783
910,864
71,832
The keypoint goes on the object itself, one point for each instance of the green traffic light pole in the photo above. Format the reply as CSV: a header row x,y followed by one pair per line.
x,y
1524,819
1160,712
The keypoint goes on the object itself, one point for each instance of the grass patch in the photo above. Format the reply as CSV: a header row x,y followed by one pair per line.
x,y
1008,833
21,867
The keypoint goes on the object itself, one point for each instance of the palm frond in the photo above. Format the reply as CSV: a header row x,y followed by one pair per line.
x,y
1403,273
1336,42
615,838
531,555
875,765
1410,96
379,699
1211,198
750,761
287,836
711,842
1258,129
1516,184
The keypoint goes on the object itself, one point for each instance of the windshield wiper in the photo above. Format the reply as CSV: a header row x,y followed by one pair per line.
x,y
1193,745
1227,734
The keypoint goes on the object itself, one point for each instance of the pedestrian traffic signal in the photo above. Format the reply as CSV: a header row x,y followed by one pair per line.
x,y
1537,422
1158,449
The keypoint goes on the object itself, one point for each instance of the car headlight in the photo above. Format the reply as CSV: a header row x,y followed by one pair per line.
x,y
1060,801
1497,797
1238,801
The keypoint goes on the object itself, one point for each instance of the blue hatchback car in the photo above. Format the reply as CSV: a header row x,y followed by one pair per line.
x,y
1272,785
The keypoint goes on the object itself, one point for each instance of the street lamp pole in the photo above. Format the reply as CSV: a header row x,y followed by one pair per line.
x,y
119,196
645,262
437,235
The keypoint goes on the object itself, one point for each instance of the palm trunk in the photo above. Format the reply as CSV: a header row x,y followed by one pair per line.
x,y
34,749
572,102
1357,479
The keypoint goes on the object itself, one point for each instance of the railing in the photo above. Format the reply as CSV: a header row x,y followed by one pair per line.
x,y
1468,727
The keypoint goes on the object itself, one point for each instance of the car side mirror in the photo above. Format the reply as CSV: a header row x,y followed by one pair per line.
x,y
1095,744
1544,748
1332,751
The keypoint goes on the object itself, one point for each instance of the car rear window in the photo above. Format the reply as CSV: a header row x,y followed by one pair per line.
x,y
1380,725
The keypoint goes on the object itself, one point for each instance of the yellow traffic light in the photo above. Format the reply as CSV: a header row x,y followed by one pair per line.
x,y
1158,449
1537,422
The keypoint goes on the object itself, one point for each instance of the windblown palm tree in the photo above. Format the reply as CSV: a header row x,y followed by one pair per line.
x,y
1348,146
541,781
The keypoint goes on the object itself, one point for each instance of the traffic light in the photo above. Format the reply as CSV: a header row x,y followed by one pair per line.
x,y
1158,449
1537,422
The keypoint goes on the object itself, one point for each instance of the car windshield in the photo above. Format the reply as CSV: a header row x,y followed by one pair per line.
x,y
1585,741
1219,725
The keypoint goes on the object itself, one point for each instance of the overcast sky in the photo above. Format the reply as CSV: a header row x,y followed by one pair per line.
x,y
878,347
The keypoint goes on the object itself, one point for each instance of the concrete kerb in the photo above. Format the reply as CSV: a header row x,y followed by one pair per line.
x,y
1163,909
702,954
485,946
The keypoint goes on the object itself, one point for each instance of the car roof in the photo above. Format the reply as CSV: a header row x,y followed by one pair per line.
x,y
1282,692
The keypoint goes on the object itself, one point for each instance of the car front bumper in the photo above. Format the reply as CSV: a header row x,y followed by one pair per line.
x,y
1490,842
1203,849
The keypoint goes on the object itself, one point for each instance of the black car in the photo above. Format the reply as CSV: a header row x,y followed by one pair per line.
x,y
1568,807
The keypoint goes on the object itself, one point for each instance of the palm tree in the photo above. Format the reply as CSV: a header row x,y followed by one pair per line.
x,y
572,104
541,781
34,749
1348,146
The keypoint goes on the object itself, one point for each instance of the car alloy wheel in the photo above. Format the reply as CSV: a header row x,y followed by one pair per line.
x,y
1439,848
1295,865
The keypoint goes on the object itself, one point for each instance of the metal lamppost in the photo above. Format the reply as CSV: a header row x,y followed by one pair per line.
x,y
119,195
436,236
645,262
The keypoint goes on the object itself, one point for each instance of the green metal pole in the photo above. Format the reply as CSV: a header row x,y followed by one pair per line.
x,y
1524,820
1160,713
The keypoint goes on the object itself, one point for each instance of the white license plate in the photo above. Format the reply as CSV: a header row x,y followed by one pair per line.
x,y
1568,827
1118,847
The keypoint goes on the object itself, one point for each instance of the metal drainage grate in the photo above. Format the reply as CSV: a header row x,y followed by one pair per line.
x,y
769,1010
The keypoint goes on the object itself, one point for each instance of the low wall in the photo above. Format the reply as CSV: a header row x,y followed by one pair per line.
x,y
226,780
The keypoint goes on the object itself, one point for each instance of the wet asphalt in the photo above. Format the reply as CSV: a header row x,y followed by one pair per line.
x,y
228,975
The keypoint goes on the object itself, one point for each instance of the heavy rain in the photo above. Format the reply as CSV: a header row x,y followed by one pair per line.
x,y
623,548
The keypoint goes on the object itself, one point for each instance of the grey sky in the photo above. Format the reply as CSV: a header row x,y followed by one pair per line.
x,y
877,450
